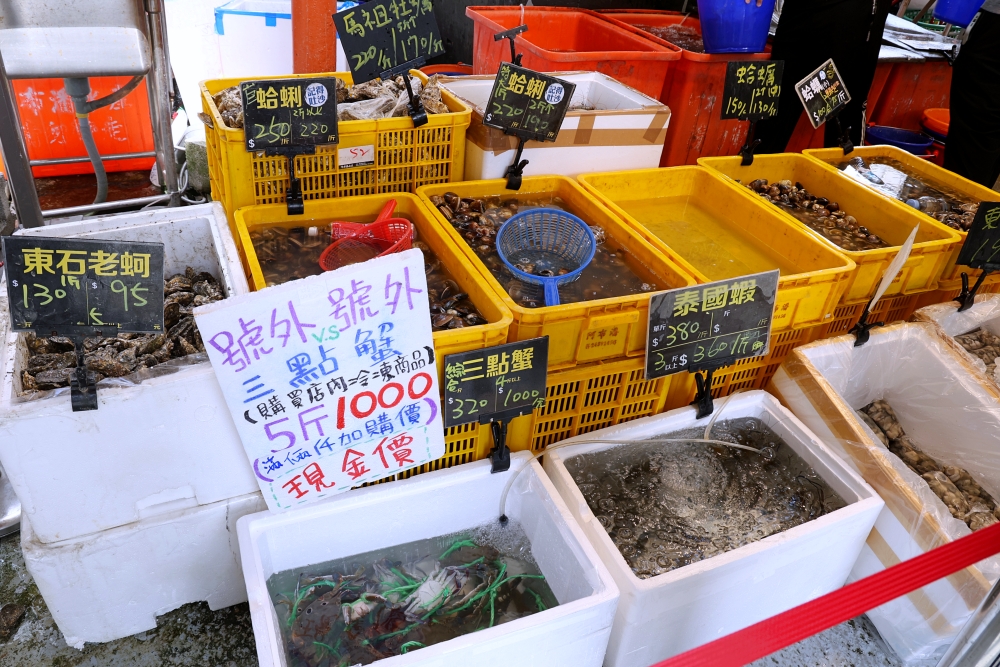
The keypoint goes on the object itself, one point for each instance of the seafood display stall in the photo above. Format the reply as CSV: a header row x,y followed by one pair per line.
x,y
603,517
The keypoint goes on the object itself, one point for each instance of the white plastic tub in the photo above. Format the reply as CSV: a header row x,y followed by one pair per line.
x,y
439,503
670,613
952,412
115,583
255,37
165,444
626,130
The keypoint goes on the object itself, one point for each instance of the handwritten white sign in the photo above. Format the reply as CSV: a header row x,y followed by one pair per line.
x,y
331,379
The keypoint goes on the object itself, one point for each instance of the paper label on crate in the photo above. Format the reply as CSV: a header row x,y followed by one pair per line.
x,y
711,325
752,89
981,249
382,34
356,156
281,114
822,93
528,104
76,287
331,380
497,383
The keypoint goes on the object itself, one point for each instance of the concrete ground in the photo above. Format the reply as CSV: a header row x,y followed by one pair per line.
x,y
195,636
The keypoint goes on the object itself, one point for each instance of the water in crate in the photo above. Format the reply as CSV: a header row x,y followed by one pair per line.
x,y
667,505
363,608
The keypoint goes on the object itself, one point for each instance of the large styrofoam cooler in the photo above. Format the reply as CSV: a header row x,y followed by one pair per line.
x,y
255,37
626,130
676,611
114,584
165,444
952,412
440,503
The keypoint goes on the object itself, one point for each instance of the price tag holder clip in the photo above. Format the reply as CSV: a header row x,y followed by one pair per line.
x,y
703,396
293,197
862,327
515,172
417,111
515,57
967,297
83,385
845,136
500,454
750,146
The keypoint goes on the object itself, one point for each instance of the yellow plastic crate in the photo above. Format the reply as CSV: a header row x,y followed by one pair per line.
x,y
888,309
813,276
892,221
933,175
366,209
619,323
405,157
949,291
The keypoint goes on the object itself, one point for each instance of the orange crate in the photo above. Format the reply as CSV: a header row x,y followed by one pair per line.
x,y
563,39
693,93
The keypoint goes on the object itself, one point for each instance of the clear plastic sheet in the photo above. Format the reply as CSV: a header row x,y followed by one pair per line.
x,y
984,314
952,413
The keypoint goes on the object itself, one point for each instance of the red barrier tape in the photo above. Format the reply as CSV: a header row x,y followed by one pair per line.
x,y
775,633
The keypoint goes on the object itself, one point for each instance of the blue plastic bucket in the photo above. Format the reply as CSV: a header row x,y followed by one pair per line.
x,y
734,26
957,12
911,142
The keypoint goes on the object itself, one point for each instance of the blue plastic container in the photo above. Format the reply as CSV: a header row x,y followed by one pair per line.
x,y
734,26
911,142
957,12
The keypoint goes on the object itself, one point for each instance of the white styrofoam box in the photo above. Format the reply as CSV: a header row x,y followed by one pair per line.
x,y
115,583
672,612
984,314
165,444
952,412
625,130
431,505
255,37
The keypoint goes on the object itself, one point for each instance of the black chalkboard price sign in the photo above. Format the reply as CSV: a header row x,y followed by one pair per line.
x,y
709,326
528,104
981,249
822,93
495,384
75,287
752,89
282,114
382,34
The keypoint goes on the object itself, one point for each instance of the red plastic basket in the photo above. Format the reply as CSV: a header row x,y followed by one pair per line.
x,y
355,242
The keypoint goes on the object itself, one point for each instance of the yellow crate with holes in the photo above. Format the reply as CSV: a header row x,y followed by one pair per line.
x,y
716,232
892,221
932,175
404,157
888,309
587,331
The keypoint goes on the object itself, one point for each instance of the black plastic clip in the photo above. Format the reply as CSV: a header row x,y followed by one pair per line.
x,y
417,111
703,397
83,385
750,146
967,297
845,137
515,58
500,456
862,327
516,170
293,197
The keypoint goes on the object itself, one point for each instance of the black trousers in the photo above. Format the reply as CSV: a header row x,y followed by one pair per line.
x,y
973,145
809,32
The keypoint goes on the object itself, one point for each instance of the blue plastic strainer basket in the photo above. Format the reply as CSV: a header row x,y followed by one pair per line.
x,y
549,241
